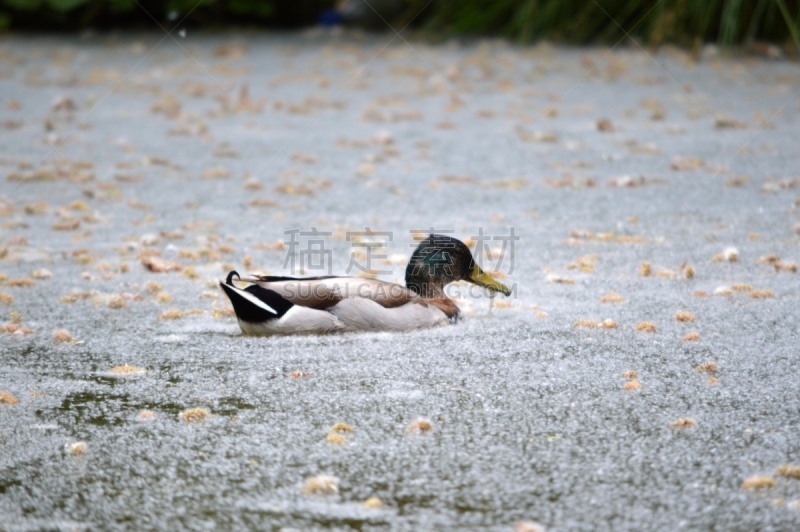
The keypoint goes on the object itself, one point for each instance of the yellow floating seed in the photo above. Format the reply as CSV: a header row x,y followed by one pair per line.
x,y
194,415
372,502
646,326
321,485
789,471
683,423
758,482
8,399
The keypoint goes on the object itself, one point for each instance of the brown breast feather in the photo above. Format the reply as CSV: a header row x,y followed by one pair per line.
x,y
446,305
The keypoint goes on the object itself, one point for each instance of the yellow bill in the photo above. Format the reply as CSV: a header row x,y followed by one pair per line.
x,y
481,278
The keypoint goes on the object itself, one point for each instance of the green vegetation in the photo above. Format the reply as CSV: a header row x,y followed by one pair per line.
x,y
684,22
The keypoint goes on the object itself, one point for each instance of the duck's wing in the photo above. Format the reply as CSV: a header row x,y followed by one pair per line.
x,y
325,292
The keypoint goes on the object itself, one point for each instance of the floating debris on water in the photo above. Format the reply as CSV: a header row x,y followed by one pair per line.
x,y
708,366
194,415
41,273
76,448
127,369
729,254
758,482
372,503
683,423
788,471
341,427
146,415
171,314
611,297
528,526
646,326
762,293
419,426
8,399
321,485
335,438
62,336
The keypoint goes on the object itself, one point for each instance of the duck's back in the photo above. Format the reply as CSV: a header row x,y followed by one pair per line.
x,y
323,293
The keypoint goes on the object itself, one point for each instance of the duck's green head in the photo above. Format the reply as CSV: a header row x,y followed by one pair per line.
x,y
440,260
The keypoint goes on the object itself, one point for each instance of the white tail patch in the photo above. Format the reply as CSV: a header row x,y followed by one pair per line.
x,y
251,298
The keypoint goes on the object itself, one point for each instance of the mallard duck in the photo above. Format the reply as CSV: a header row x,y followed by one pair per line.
x,y
316,305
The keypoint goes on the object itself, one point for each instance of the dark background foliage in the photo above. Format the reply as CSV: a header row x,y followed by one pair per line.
x,y
684,22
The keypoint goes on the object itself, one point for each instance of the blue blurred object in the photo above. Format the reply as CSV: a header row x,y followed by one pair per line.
x,y
330,17
367,13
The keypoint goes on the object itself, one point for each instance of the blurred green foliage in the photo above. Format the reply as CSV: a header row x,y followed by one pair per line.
x,y
685,22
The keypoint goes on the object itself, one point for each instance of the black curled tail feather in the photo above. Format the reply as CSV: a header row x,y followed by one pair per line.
x,y
254,304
